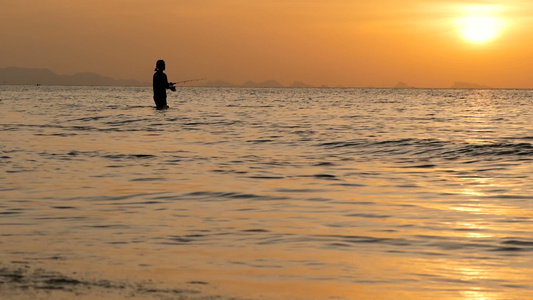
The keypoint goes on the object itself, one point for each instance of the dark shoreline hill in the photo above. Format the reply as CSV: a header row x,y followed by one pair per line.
x,y
28,76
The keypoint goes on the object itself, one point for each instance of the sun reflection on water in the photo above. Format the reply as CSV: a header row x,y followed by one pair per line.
x,y
479,295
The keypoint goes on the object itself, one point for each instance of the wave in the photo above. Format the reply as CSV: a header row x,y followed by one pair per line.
x,y
435,149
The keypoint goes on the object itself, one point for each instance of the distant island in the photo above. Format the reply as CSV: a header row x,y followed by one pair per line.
x,y
27,76
456,85
252,84
467,85
402,85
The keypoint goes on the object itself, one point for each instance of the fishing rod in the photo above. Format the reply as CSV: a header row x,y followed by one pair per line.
x,y
185,81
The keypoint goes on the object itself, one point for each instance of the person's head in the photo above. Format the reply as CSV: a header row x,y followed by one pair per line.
x,y
160,65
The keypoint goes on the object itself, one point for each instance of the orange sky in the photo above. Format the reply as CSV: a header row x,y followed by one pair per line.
x,y
334,42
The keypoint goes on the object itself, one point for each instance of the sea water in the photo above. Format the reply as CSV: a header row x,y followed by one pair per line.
x,y
266,193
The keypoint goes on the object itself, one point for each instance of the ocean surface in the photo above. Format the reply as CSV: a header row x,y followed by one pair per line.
x,y
266,194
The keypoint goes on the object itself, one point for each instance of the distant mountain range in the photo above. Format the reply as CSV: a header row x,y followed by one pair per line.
x,y
14,75
28,76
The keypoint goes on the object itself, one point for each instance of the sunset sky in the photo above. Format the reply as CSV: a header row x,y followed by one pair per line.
x,y
335,42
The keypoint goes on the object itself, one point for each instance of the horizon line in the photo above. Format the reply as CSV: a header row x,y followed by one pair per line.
x,y
278,87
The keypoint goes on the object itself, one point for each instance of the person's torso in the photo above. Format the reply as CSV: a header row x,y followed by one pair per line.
x,y
160,83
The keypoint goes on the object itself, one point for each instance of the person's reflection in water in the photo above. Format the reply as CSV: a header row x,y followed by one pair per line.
x,y
161,85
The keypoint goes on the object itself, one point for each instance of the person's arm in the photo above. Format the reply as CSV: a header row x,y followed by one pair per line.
x,y
169,85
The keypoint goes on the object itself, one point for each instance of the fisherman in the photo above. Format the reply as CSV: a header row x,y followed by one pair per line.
x,y
161,85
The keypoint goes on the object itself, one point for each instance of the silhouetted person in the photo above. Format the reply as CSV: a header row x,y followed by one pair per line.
x,y
161,85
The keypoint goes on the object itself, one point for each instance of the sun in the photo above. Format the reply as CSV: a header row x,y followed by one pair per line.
x,y
480,29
